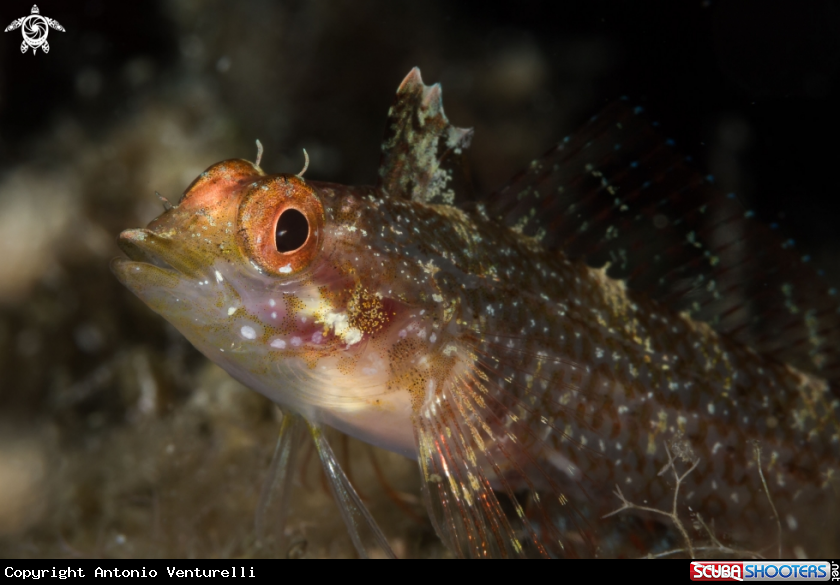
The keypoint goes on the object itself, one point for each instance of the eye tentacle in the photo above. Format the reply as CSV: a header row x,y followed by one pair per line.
x,y
259,153
305,164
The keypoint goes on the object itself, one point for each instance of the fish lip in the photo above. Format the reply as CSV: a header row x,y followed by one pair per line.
x,y
153,264
130,243
134,243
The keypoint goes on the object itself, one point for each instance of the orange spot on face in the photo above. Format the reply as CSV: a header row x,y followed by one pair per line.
x,y
218,183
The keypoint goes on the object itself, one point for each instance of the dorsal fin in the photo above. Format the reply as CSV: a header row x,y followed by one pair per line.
x,y
618,193
420,148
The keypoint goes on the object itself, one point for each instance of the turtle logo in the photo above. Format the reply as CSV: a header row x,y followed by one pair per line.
x,y
34,28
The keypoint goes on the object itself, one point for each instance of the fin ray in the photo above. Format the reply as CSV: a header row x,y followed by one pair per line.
x,y
363,529
421,150
281,471
470,457
618,193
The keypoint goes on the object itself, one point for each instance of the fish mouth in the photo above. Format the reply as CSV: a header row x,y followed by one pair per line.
x,y
139,246
152,260
147,247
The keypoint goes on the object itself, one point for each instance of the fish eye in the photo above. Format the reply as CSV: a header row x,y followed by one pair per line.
x,y
280,224
292,231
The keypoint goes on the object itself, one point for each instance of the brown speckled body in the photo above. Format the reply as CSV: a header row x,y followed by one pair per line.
x,y
596,381
537,393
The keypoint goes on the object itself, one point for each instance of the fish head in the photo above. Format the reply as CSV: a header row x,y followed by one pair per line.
x,y
271,277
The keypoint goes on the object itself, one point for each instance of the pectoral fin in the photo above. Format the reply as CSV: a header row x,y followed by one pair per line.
x,y
487,491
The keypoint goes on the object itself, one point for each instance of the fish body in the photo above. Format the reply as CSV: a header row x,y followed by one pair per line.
x,y
538,393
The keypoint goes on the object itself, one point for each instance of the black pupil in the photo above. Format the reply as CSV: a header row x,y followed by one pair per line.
x,y
292,231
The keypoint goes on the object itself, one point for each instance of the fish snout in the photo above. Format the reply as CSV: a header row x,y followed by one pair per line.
x,y
145,246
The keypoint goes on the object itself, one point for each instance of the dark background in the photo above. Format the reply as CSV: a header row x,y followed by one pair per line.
x,y
116,438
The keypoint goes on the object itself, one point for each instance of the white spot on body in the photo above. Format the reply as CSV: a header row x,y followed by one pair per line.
x,y
231,311
352,336
248,332
278,343
342,328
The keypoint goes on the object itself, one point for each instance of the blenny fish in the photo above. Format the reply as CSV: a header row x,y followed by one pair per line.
x,y
606,357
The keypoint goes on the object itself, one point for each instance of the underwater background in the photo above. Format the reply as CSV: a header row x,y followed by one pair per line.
x,y
117,439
